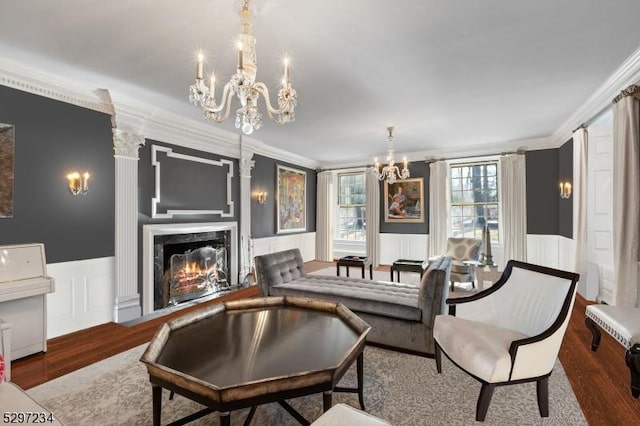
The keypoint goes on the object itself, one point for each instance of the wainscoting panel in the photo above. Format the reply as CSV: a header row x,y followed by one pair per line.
x,y
403,246
83,296
544,250
305,242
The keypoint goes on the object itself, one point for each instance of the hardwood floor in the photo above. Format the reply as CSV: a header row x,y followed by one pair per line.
x,y
599,379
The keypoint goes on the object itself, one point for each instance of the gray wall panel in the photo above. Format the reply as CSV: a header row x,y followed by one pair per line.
x,y
542,191
565,206
51,139
264,178
417,169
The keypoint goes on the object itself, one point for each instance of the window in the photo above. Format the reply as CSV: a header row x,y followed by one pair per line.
x,y
351,207
474,199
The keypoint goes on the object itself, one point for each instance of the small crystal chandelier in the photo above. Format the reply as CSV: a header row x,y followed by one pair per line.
x,y
391,172
243,84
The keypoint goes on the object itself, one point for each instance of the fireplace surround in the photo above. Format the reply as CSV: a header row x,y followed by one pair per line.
x,y
203,250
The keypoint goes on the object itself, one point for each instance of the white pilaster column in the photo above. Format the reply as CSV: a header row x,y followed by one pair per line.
x,y
127,298
246,164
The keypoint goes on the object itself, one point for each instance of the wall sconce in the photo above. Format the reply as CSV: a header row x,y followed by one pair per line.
x,y
565,190
78,184
261,197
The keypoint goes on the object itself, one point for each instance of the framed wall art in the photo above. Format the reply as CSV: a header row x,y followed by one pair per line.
x,y
7,149
292,200
404,201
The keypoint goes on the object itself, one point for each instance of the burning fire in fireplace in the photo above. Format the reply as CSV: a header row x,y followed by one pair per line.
x,y
197,273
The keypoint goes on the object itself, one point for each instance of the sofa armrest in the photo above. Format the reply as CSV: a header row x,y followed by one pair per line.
x,y
277,268
434,289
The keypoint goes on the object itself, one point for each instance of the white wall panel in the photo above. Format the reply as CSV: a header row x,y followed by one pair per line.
x,y
543,250
305,242
84,295
403,246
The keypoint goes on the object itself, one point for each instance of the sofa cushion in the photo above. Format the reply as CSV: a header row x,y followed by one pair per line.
x,y
396,300
477,347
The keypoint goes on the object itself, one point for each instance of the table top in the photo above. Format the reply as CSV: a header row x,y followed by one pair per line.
x,y
245,344
409,262
357,259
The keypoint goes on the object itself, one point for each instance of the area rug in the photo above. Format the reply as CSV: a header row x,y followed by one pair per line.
x,y
400,388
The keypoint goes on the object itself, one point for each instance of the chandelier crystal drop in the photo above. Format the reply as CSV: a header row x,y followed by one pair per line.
x,y
391,172
243,84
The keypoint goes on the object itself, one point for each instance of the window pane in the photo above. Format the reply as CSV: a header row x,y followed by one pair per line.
x,y
351,202
474,200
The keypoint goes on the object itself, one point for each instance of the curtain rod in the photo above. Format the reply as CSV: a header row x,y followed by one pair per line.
x,y
428,161
433,160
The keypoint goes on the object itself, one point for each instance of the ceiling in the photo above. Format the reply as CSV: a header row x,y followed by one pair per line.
x,y
453,74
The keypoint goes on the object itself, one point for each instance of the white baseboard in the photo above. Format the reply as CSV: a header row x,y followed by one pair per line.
x,y
83,297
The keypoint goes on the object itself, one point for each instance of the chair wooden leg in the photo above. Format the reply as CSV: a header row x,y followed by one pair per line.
x,y
595,333
542,389
438,356
632,358
483,401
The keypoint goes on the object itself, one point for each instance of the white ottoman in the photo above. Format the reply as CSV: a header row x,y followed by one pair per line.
x,y
623,324
342,414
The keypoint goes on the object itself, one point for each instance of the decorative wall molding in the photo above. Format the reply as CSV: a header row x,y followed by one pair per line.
x,y
403,246
169,214
126,145
28,79
628,73
83,297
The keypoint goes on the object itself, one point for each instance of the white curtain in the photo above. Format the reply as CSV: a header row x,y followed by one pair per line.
x,y
438,208
372,215
514,207
324,218
580,204
626,196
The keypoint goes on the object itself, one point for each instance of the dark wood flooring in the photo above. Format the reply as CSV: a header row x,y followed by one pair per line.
x,y
599,379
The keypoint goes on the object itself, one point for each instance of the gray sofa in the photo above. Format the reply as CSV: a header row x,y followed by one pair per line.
x,y
400,315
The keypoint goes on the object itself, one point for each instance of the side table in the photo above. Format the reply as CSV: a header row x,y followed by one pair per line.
x,y
484,272
407,265
357,261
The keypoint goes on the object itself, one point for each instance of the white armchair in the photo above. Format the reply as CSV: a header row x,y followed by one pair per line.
x,y
509,333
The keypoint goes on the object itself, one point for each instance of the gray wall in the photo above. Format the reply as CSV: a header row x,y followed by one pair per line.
x,y
565,173
264,178
185,185
542,191
416,169
51,139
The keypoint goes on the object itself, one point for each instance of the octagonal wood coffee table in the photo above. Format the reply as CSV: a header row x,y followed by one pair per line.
x,y
256,351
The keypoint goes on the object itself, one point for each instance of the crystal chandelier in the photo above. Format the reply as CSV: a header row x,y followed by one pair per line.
x,y
391,172
243,84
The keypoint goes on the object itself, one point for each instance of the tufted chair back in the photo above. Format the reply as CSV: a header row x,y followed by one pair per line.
x,y
277,268
463,248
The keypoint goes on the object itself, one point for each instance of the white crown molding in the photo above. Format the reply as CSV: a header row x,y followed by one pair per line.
x,y
136,116
28,79
626,74
453,152
263,149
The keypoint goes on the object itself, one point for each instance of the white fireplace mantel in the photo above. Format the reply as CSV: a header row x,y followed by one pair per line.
x,y
150,231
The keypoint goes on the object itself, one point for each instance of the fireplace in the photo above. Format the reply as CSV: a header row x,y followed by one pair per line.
x,y
189,266
185,262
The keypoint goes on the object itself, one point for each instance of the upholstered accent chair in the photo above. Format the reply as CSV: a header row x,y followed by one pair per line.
x,y
461,250
509,333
